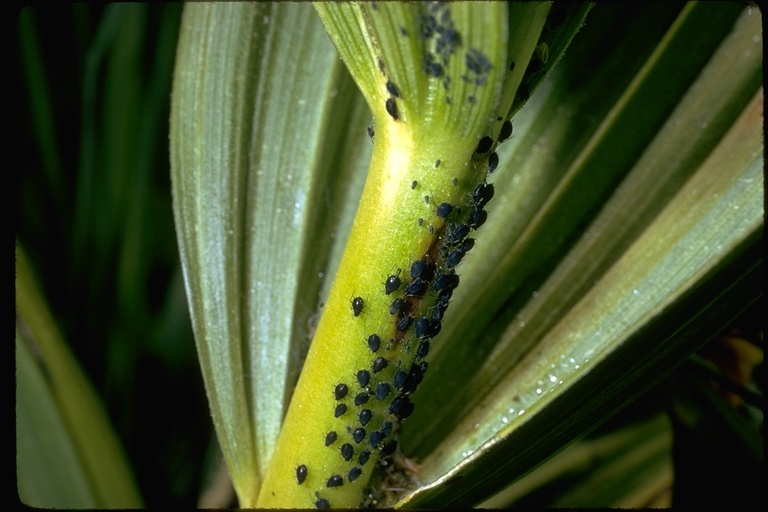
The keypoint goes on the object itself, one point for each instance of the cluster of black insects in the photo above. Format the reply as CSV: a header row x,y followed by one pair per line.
x,y
434,272
391,103
436,24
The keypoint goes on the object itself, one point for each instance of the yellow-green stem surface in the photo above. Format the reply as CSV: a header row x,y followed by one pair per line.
x,y
386,238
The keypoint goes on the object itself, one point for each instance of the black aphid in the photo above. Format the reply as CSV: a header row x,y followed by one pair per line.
x,y
456,232
467,244
371,132
363,378
379,364
414,184
437,163
415,377
493,162
375,438
445,282
419,370
398,403
357,305
397,306
417,288
421,327
382,390
340,391
438,311
418,268
454,258
506,131
477,218
445,296
340,409
374,342
365,416
444,210
482,194
347,452
363,457
335,481
388,448
423,349
435,69
301,473
403,324
484,145
405,411
358,434
392,283
322,503
361,398
401,407
398,381
391,105
477,62
386,429
354,473
330,438
392,89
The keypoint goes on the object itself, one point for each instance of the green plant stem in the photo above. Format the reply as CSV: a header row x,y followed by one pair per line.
x,y
385,239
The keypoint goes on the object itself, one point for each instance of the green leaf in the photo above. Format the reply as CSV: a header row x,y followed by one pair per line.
x,y
624,468
48,470
67,453
250,172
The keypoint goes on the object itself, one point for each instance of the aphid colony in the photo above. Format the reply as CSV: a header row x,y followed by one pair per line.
x,y
441,41
376,399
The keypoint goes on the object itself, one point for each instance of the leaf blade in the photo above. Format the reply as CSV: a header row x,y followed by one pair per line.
x,y
630,305
106,479
253,138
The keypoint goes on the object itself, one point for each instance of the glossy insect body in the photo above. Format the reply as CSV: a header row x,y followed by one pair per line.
x,y
301,473
357,305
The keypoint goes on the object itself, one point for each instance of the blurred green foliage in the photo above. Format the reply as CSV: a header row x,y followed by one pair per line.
x,y
94,214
